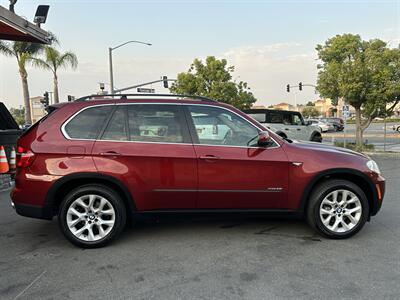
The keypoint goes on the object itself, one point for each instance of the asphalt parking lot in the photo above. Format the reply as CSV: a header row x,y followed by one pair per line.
x,y
229,258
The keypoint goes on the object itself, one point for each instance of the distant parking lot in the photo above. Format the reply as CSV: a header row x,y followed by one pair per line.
x,y
229,258
374,134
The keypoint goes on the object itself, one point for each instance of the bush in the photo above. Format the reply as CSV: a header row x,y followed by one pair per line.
x,y
353,146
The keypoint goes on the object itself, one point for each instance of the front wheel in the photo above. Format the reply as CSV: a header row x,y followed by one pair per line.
x,y
338,209
91,216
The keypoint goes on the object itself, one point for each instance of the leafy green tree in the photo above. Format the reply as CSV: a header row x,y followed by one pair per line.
x,y
53,60
23,52
310,103
18,115
310,112
214,79
364,73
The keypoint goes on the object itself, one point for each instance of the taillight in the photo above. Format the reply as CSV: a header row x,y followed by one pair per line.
x,y
24,157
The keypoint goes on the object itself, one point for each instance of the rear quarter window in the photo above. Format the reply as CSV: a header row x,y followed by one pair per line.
x,y
88,123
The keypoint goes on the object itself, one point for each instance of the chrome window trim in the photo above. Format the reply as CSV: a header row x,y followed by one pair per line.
x,y
65,134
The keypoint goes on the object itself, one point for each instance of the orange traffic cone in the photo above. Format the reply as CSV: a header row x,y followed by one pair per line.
x,y
12,159
3,161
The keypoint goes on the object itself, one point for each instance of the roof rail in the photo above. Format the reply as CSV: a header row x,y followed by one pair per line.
x,y
125,96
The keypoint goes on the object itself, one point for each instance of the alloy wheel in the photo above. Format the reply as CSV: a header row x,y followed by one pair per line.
x,y
90,217
340,211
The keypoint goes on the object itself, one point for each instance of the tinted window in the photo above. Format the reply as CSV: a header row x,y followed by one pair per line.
x,y
87,124
116,129
276,117
216,126
260,117
156,123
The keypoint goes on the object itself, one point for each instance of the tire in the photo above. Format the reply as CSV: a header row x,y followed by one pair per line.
x,y
323,194
100,210
316,137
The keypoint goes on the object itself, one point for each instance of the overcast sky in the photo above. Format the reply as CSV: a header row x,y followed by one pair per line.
x,y
270,43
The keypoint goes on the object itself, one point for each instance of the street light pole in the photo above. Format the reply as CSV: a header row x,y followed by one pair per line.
x,y
111,70
110,50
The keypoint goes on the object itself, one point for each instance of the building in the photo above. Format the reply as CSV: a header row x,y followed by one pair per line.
x,y
283,106
37,109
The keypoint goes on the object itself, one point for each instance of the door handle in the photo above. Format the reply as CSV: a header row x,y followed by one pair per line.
x,y
209,157
286,128
298,129
110,153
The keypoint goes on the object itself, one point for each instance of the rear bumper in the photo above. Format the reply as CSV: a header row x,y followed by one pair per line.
x,y
32,211
29,210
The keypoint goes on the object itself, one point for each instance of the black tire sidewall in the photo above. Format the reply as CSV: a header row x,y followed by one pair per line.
x,y
322,194
111,196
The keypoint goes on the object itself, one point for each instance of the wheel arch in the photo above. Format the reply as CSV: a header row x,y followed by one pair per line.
x,y
63,185
354,176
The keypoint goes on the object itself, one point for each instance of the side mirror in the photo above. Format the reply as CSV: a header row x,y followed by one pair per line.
x,y
263,139
308,123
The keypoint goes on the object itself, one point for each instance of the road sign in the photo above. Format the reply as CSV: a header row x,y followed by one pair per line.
x,y
145,90
345,114
345,108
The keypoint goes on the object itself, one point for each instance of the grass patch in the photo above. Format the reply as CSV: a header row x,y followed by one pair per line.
x,y
353,146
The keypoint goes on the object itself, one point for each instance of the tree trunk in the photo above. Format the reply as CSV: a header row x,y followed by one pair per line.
x,y
359,130
25,91
55,91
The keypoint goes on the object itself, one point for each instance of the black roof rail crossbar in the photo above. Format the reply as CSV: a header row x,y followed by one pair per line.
x,y
125,96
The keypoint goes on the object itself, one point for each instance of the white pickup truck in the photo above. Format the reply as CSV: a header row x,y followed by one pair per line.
x,y
287,124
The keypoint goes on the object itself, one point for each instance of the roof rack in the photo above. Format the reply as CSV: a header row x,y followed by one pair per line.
x,y
125,96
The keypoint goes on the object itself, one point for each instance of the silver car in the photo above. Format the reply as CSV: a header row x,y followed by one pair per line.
x,y
287,124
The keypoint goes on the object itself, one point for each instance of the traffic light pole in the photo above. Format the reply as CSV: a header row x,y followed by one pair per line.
x,y
143,84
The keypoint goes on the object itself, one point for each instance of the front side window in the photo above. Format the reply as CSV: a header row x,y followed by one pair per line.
x,y
156,123
217,126
276,117
87,124
297,120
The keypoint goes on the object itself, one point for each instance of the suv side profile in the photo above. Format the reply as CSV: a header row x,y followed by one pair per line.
x,y
287,124
95,162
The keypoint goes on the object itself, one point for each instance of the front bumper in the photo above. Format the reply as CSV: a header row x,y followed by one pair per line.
x,y
379,194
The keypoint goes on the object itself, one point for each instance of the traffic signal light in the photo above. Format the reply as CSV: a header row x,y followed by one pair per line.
x,y
165,81
288,88
300,86
71,98
45,100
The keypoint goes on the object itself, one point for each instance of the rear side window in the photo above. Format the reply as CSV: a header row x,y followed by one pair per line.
x,y
88,123
276,117
260,117
157,123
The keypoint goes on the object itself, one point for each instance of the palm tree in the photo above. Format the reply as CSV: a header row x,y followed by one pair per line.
x,y
54,60
23,52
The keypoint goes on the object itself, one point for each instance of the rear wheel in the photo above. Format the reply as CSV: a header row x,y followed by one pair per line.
x,y
316,138
338,209
92,216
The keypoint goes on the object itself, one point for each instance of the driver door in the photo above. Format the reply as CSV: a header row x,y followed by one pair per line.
x,y
231,173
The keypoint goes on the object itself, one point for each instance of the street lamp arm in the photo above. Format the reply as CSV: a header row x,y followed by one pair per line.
x,y
128,42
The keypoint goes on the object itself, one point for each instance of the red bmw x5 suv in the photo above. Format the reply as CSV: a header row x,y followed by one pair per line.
x,y
98,161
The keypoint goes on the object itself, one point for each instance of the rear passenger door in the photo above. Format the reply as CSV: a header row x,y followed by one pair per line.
x,y
148,146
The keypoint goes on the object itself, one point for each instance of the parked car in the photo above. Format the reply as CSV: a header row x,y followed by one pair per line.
x,y
287,124
337,123
94,163
325,127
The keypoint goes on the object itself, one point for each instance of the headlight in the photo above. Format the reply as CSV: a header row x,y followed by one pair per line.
x,y
373,166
